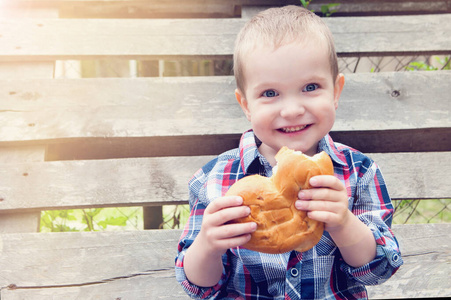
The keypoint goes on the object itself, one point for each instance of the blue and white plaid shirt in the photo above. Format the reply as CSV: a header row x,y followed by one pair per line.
x,y
319,273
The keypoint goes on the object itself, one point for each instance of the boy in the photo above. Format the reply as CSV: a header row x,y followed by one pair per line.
x,y
288,86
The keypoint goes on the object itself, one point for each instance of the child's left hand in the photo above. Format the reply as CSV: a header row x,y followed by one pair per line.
x,y
327,202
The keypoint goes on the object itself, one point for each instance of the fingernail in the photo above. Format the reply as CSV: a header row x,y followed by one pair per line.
x,y
301,195
300,204
253,226
313,181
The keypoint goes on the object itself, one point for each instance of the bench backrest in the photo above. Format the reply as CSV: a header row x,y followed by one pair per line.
x,y
106,142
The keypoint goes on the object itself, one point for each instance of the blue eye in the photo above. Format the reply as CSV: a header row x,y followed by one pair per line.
x,y
270,93
310,87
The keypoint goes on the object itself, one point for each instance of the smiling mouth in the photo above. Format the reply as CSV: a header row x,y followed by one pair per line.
x,y
293,129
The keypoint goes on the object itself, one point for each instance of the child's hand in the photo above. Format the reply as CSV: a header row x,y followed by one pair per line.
x,y
216,234
203,259
327,202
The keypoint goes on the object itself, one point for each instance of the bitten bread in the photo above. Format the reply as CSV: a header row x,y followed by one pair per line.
x,y
280,226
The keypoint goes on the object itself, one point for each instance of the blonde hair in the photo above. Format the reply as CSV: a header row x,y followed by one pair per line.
x,y
276,27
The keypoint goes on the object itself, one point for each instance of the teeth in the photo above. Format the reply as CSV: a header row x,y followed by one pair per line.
x,y
293,129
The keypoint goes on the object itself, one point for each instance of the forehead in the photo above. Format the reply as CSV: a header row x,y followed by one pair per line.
x,y
288,65
298,50
305,39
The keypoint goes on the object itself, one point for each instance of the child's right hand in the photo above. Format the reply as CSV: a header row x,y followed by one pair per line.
x,y
203,259
216,234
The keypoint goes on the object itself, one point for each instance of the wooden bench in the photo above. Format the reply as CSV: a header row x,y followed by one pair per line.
x,y
109,142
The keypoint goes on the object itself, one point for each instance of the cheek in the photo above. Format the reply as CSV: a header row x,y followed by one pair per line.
x,y
262,114
329,115
325,112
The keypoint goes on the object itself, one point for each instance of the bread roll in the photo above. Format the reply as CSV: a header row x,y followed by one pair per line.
x,y
280,226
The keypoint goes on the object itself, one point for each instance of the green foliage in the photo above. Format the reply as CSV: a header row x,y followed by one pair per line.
x,y
443,62
422,211
305,3
109,219
95,219
175,216
56,220
327,9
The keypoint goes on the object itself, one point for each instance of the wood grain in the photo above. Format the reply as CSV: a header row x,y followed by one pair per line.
x,y
159,181
61,39
184,106
216,8
140,264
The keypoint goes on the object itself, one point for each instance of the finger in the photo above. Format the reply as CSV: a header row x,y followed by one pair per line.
x,y
226,215
322,216
229,236
223,202
235,230
327,181
234,242
318,194
326,206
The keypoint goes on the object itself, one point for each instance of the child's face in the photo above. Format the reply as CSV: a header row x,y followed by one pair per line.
x,y
290,96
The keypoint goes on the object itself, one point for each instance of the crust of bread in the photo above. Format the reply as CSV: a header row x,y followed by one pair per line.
x,y
280,226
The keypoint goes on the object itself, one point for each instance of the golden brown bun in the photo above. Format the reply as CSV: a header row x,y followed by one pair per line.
x,y
280,226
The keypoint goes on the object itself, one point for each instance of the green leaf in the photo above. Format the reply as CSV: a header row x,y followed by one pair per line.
x,y
113,221
117,221
326,9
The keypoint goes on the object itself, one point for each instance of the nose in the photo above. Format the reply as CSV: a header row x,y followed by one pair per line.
x,y
292,108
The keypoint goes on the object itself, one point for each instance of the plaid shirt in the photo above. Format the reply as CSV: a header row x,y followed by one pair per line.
x,y
319,273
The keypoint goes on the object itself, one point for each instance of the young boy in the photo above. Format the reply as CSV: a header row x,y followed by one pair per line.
x,y
288,86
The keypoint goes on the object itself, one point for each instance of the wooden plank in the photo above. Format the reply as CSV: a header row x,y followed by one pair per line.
x,y
22,70
143,286
409,175
164,107
22,154
158,181
218,8
23,221
149,9
426,253
123,182
360,8
92,264
62,39
140,264
367,141
20,222
27,9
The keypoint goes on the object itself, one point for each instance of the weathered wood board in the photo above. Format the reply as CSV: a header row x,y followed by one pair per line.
x,y
139,265
158,181
115,121
215,8
182,106
55,39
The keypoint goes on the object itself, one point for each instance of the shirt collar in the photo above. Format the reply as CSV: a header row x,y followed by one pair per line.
x,y
249,150
327,144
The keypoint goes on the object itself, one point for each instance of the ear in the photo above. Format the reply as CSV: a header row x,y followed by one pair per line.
x,y
338,88
240,97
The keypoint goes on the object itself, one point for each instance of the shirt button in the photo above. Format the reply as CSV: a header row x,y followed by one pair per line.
x,y
294,272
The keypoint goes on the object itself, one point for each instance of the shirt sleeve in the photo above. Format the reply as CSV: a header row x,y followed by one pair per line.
x,y
372,205
189,233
